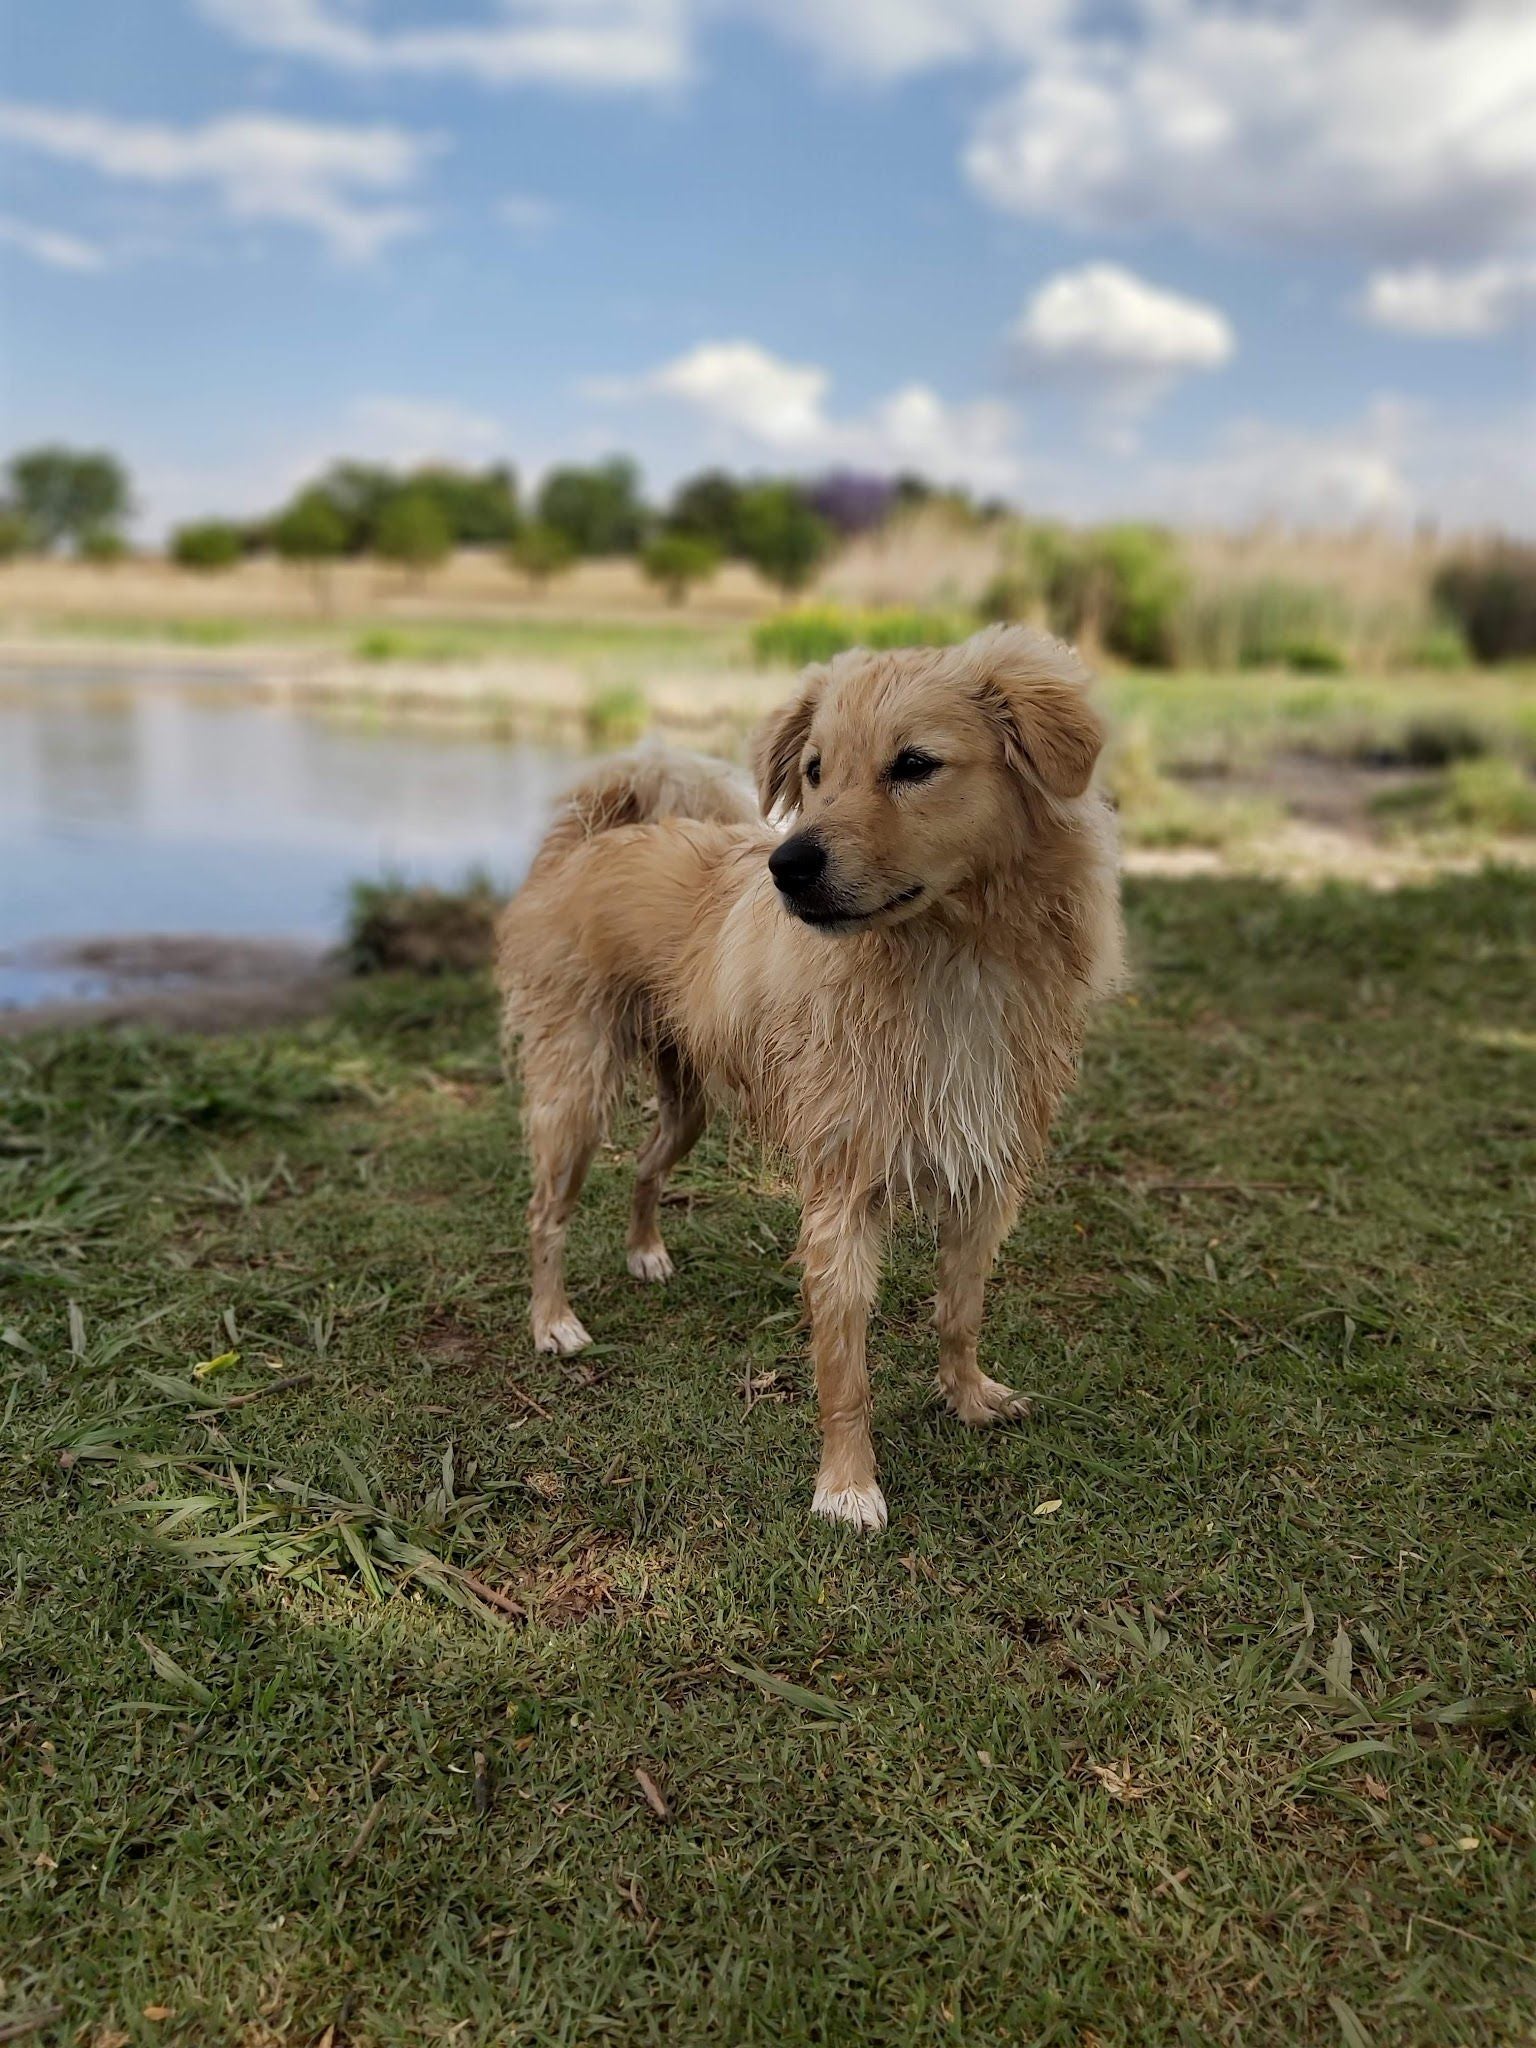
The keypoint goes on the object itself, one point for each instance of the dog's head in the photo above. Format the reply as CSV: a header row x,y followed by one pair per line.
x,y
911,775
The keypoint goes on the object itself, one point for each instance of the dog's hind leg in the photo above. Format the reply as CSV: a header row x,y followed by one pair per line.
x,y
571,1084
840,1252
679,1121
968,1243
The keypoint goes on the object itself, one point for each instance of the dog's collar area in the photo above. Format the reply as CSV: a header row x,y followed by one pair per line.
x,y
830,920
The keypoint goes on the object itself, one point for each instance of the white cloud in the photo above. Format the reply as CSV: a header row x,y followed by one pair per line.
x,y
1122,341
1385,127
894,38
408,432
49,246
340,183
585,44
527,214
1425,299
763,405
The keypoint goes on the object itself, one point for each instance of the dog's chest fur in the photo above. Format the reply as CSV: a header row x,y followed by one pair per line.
x,y
929,1069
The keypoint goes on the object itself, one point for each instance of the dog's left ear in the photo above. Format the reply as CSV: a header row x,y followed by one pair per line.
x,y
1035,691
779,744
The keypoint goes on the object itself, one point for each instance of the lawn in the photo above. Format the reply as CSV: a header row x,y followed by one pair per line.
x,y
440,1693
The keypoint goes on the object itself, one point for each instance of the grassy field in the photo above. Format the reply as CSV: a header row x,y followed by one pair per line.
x,y
1197,1708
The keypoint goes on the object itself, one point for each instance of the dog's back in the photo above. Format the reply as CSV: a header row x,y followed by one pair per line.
x,y
641,788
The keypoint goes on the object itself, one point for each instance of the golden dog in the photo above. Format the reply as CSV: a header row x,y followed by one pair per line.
x,y
895,991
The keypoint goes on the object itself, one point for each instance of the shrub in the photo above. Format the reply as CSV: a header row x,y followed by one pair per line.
x,y
1315,658
413,530
101,547
1491,595
542,552
207,545
676,561
1142,585
1437,742
13,534
781,536
1493,795
817,632
1439,646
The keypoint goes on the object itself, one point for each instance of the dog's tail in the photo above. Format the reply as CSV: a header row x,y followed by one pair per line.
x,y
641,787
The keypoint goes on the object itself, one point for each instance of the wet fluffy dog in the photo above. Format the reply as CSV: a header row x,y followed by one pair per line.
x,y
895,992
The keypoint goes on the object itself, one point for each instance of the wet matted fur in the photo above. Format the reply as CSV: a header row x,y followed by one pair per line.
x,y
898,1004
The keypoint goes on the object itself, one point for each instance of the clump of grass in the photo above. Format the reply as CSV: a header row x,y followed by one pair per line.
x,y
617,716
405,643
1492,795
394,925
1158,811
817,632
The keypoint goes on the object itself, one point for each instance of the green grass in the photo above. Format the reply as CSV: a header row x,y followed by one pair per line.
x,y
1274,1300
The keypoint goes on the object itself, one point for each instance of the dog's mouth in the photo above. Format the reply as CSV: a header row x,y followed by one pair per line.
x,y
837,918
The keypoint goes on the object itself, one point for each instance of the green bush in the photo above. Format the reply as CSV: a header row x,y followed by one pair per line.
x,y
1493,795
13,534
207,545
1490,593
101,547
617,717
1440,646
817,632
1142,587
1315,657
676,561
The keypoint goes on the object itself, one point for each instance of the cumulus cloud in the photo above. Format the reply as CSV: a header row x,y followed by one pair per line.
x,y
1386,128
47,245
584,44
1121,341
338,182
1484,299
764,405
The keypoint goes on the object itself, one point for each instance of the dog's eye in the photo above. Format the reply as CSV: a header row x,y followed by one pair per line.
x,y
813,771
912,765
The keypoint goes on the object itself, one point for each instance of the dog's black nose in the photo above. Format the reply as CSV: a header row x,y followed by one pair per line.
x,y
798,864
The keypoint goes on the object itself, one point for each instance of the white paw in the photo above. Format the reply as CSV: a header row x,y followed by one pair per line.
x,y
651,1264
861,1507
983,1402
564,1336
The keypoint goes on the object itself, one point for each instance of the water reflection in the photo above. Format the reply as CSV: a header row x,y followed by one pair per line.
x,y
146,806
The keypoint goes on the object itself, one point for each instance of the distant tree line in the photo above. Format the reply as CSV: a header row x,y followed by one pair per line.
x,y
1125,587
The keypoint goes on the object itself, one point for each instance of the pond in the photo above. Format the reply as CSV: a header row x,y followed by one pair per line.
x,y
135,804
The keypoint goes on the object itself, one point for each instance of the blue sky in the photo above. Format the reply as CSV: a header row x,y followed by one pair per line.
x,y
1207,259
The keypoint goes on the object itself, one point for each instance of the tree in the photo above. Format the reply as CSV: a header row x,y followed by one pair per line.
x,y
13,534
708,507
61,495
207,544
357,492
676,561
311,532
414,531
851,501
541,552
781,536
478,507
598,510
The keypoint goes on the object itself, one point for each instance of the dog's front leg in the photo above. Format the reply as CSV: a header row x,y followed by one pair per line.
x,y
968,1243
840,1252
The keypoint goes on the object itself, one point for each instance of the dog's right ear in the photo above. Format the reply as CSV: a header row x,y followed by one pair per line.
x,y
779,744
